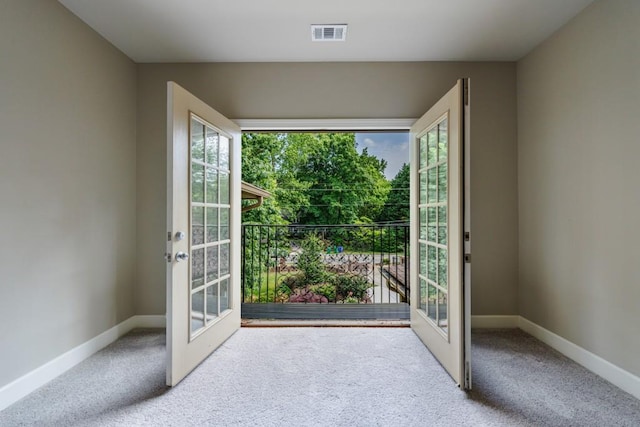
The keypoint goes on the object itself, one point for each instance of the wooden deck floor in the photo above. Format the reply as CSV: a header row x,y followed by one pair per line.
x,y
399,311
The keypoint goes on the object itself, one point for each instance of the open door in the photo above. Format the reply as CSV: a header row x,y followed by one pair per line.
x,y
203,239
440,303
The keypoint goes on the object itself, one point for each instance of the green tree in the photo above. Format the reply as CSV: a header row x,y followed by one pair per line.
x,y
397,204
310,259
344,186
267,161
317,178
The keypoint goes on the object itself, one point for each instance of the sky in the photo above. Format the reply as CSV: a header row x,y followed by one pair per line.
x,y
390,146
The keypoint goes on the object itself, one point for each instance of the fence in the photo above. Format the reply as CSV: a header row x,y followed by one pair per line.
x,y
357,264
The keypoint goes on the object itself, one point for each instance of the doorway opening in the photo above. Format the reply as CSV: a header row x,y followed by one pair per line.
x,y
437,181
332,240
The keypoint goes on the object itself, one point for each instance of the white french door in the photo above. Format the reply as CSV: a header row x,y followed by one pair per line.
x,y
440,303
203,239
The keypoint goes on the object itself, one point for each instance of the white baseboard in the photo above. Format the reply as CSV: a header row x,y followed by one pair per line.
x,y
493,322
35,379
614,374
607,370
150,321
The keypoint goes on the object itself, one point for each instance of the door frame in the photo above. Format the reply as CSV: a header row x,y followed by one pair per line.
x,y
324,125
390,124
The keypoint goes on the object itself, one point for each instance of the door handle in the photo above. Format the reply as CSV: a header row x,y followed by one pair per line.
x,y
182,256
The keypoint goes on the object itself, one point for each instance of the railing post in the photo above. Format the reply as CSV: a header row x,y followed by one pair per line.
x,y
395,249
276,266
373,262
260,263
253,256
243,254
268,260
407,278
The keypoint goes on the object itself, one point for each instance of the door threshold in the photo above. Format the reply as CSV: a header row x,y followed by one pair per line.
x,y
323,323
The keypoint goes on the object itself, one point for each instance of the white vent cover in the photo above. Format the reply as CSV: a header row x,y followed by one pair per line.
x,y
329,33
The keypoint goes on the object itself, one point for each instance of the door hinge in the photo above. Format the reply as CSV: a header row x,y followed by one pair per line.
x,y
467,258
467,375
466,93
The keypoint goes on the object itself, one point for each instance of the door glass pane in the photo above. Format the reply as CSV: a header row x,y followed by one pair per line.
x,y
212,263
224,188
212,185
197,140
423,152
197,183
431,224
197,311
443,142
224,295
197,225
432,196
442,225
423,223
209,187
212,302
432,155
211,147
432,263
442,183
433,188
197,268
212,225
224,259
224,152
443,310
225,222
432,302
442,267
423,188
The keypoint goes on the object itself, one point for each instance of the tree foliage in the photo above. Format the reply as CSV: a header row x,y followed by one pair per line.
x,y
397,205
316,178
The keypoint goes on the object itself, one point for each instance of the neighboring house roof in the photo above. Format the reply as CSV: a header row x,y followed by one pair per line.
x,y
251,192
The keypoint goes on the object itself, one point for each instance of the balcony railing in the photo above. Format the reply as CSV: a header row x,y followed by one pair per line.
x,y
319,264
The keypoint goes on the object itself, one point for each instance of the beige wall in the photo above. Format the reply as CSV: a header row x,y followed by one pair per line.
x,y
67,187
579,202
343,90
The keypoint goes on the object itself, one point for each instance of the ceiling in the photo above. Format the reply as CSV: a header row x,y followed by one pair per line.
x,y
279,30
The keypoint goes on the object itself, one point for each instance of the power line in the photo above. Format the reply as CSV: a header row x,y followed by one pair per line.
x,y
337,189
343,205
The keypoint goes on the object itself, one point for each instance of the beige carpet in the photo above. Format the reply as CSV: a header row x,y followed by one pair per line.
x,y
327,377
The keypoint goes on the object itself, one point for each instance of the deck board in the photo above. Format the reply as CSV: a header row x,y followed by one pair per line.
x,y
395,311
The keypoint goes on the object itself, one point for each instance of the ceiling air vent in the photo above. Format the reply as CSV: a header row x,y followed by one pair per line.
x,y
329,33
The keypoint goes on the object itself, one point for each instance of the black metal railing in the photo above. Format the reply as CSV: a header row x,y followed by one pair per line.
x,y
325,263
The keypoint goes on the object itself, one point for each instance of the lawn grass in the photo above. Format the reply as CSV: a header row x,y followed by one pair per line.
x,y
265,291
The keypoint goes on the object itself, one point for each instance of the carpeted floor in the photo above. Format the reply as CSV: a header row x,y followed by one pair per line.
x,y
327,377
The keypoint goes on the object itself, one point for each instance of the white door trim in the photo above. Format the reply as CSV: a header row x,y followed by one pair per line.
x,y
356,124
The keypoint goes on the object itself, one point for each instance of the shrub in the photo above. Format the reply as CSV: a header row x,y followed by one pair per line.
x,y
294,281
351,285
327,290
283,292
310,260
